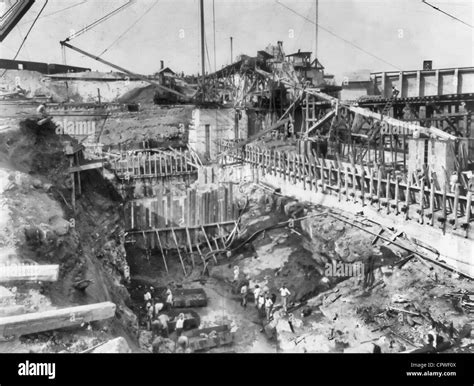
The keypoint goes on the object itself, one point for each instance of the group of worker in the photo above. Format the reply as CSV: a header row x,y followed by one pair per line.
x,y
157,320
264,301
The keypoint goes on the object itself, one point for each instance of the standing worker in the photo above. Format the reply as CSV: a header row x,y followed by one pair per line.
x,y
149,315
244,294
180,324
284,293
261,305
256,294
169,298
147,297
164,319
236,273
268,307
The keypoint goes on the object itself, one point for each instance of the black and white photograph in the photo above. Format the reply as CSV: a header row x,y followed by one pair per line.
x,y
219,177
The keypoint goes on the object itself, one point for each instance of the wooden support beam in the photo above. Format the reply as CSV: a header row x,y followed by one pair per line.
x,y
9,273
208,243
179,252
19,325
456,204
162,251
81,168
190,245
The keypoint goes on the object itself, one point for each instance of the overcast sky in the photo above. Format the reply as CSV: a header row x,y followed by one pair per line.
x,y
401,33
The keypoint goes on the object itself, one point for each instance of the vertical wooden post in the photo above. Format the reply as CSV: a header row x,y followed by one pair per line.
x,y
294,169
323,190
339,182
371,185
179,252
162,251
73,193
422,196
387,192
444,214
397,194
432,201
379,185
456,204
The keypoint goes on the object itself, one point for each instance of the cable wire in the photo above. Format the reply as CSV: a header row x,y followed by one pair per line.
x,y
99,21
339,37
58,11
451,16
128,29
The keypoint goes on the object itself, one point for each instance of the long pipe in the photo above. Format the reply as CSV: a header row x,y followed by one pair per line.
x,y
141,77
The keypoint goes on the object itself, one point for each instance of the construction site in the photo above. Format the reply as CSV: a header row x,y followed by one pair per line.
x,y
264,205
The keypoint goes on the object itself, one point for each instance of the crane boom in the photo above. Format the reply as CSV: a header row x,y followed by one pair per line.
x,y
141,77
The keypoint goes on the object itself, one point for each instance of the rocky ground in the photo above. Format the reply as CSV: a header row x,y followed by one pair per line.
x,y
40,227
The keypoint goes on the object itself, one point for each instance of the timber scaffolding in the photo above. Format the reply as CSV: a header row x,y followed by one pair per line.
x,y
186,224
150,163
367,186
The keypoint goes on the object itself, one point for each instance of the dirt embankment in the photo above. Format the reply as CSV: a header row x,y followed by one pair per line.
x,y
43,228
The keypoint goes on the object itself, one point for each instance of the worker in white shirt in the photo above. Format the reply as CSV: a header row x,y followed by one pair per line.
x,y
183,344
244,294
256,294
164,319
147,296
236,273
169,298
179,324
158,307
284,293
453,180
261,305
149,315
268,307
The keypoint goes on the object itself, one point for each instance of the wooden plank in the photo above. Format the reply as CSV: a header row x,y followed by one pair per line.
x,y
179,252
208,243
162,251
432,202
456,204
407,199
190,245
51,320
81,168
9,273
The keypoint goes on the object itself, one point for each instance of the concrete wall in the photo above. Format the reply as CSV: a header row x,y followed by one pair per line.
x,y
354,92
221,126
440,158
424,83
454,249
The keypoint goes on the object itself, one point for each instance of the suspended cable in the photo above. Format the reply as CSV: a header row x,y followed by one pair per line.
x,y
451,16
349,42
99,21
58,11
128,29
27,34
339,37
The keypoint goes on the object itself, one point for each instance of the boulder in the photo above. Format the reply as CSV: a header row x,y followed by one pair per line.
x,y
59,225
